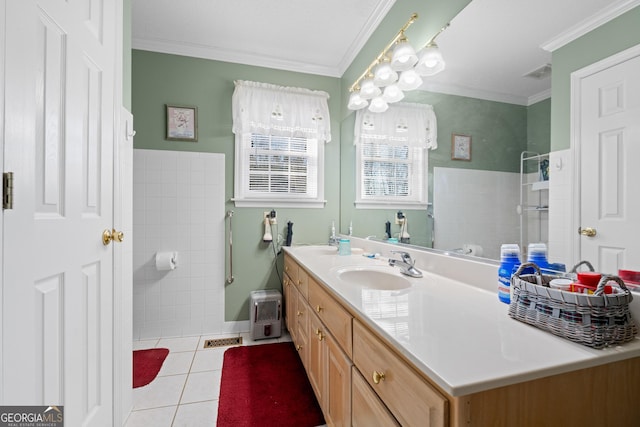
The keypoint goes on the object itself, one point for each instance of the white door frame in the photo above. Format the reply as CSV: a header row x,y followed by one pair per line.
x,y
575,136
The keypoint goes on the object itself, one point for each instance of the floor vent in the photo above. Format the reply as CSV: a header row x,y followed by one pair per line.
x,y
222,342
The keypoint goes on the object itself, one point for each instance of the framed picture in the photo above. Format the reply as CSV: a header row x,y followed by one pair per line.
x,y
182,123
460,147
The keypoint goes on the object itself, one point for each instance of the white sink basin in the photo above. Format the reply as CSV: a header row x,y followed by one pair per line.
x,y
382,278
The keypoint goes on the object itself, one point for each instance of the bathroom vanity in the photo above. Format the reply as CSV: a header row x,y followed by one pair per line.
x,y
385,349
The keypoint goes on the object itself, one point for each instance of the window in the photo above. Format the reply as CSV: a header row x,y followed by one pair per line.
x,y
391,156
280,134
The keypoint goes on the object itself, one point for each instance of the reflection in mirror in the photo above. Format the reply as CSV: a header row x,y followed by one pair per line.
x,y
474,198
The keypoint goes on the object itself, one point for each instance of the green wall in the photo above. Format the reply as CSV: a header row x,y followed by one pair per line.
x,y
613,37
539,127
159,79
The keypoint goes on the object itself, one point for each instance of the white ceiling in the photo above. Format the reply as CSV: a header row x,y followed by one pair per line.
x,y
489,46
318,37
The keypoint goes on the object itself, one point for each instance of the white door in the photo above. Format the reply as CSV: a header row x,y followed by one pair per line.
x,y
610,176
57,282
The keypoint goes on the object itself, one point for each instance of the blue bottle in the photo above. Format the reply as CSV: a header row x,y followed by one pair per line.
x,y
509,260
537,254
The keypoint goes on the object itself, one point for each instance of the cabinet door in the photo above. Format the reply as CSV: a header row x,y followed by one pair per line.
x,y
337,402
290,304
366,409
316,357
411,399
302,329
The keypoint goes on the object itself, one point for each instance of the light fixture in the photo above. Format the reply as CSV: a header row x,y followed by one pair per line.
x,y
356,102
430,60
392,93
382,84
404,56
409,80
384,74
378,105
368,89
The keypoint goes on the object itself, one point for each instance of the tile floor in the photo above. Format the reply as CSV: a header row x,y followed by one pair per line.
x,y
186,390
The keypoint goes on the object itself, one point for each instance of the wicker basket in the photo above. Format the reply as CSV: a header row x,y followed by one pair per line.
x,y
597,320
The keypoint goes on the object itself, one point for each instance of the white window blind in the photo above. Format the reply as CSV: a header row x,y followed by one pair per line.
x,y
279,150
281,165
391,156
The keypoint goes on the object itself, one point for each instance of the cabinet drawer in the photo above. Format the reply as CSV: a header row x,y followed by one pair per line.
x,y
303,282
334,317
366,408
291,268
411,399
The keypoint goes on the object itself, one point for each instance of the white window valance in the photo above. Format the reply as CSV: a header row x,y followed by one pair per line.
x,y
406,123
268,109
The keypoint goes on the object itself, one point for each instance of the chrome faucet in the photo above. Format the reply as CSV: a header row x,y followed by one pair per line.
x,y
406,264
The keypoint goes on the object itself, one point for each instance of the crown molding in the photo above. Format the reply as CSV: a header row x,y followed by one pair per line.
x,y
228,55
450,89
607,14
534,99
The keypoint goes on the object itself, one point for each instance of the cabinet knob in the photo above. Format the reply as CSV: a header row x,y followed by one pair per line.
x,y
298,347
318,308
320,336
299,313
377,377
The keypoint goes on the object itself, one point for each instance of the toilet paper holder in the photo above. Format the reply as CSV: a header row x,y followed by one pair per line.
x,y
166,261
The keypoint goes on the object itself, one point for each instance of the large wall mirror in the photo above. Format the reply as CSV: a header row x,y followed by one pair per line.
x,y
496,89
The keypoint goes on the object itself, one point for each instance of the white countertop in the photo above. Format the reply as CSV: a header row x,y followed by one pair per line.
x,y
458,334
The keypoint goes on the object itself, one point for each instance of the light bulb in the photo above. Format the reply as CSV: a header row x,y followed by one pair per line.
x,y
409,80
384,75
431,61
404,56
378,105
356,102
392,93
369,90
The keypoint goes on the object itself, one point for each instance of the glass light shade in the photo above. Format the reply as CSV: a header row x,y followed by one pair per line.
x,y
369,90
392,93
404,57
384,75
431,61
409,80
356,102
378,105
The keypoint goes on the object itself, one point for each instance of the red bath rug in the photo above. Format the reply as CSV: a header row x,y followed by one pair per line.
x,y
266,385
147,364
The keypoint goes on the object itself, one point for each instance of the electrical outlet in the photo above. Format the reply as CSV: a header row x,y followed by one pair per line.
x,y
270,215
399,218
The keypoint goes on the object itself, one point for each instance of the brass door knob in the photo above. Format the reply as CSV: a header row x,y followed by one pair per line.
x,y
587,231
117,236
112,235
377,377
